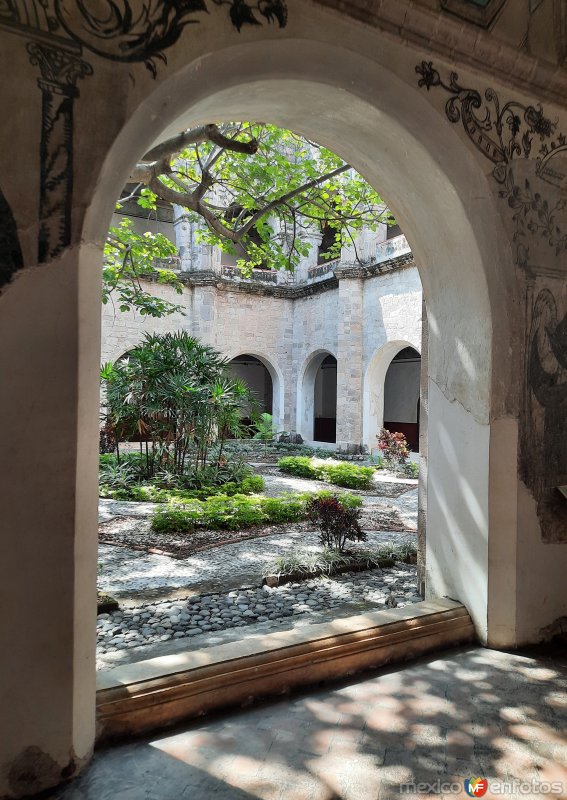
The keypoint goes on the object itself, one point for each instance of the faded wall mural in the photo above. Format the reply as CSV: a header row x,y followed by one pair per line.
x,y
58,32
510,134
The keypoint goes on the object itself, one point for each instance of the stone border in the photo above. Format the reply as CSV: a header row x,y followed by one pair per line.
x,y
148,695
355,566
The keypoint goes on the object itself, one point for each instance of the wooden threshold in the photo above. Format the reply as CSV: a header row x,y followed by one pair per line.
x,y
149,695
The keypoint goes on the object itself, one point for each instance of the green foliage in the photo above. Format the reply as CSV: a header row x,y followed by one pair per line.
x,y
126,480
178,395
129,257
300,466
256,206
411,469
150,493
348,475
234,513
342,473
265,430
329,561
338,521
287,184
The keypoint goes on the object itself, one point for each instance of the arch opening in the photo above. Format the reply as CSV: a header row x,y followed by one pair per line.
x,y
256,375
401,396
379,124
325,401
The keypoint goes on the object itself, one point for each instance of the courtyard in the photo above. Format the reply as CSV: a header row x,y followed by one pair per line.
x,y
177,601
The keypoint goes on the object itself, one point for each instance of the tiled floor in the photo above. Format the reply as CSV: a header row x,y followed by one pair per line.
x,y
459,715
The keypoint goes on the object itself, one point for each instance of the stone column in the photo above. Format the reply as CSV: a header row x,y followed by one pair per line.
x,y
183,237
349,364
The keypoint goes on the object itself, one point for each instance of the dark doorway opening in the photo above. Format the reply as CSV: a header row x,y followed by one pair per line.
x,y
325,403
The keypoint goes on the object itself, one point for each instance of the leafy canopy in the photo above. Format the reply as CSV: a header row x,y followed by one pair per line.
x,y
257,191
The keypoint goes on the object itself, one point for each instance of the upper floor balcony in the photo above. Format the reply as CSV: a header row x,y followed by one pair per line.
x,y
384,251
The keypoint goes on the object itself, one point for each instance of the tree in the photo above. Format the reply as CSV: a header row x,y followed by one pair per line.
x,y
257,190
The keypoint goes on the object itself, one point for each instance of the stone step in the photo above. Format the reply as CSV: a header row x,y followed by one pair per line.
x,y
151,694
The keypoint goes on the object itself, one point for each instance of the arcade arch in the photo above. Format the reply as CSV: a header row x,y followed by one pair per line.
x,y
361,101
378,402
265,380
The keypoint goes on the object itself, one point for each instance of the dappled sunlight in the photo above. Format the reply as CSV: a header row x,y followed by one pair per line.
x,y
447,717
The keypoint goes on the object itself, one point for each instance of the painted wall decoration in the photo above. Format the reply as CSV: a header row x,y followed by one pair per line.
x,y
59,31
10,252
510,134
544,445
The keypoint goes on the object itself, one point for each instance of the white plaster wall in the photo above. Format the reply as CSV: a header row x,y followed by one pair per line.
x,y
457,534
392,311
401,391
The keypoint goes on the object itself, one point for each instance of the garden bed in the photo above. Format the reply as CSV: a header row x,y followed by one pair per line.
x,y
137,534
346,562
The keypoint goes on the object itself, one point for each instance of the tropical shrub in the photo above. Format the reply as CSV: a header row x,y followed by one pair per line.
x,y
177,395
236,512
265,429
348,475
329,561
151,493
300,466
338,522
341,473
394,448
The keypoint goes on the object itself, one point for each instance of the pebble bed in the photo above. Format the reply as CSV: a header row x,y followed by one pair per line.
x,y
176,619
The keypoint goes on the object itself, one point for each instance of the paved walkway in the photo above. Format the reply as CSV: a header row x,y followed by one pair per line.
x,y
438,722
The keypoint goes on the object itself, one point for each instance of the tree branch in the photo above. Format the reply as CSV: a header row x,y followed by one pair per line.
x,y
285,198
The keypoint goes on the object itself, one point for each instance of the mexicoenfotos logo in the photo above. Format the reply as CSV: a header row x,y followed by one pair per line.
x,y
476,787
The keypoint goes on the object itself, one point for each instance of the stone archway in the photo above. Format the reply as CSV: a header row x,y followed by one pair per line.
x,y
275,390
361,101
373,392
379,116
306,400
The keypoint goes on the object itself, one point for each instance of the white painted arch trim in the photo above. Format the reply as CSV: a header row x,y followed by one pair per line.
x,y
373,387
270,362
305,403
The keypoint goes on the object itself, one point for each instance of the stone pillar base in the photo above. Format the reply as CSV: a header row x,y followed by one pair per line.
x,y
351,448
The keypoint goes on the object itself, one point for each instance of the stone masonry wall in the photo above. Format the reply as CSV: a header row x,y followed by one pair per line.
x,y
352,322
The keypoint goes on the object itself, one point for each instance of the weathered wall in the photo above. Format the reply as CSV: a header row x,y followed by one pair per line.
x,y
83,107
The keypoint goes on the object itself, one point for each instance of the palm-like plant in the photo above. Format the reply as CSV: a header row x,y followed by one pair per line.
x,y
265,430
176,393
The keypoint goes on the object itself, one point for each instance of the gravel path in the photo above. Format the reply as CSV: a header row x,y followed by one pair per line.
x,y
350,593
125,572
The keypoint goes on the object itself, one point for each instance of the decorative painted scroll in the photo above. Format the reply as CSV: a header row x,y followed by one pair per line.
x,y
128,31
504,134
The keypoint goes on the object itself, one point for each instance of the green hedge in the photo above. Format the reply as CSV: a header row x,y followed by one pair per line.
x,y
153,494
239,511
341,473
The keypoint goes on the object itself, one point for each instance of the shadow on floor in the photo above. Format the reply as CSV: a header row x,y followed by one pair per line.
x,y
456,715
